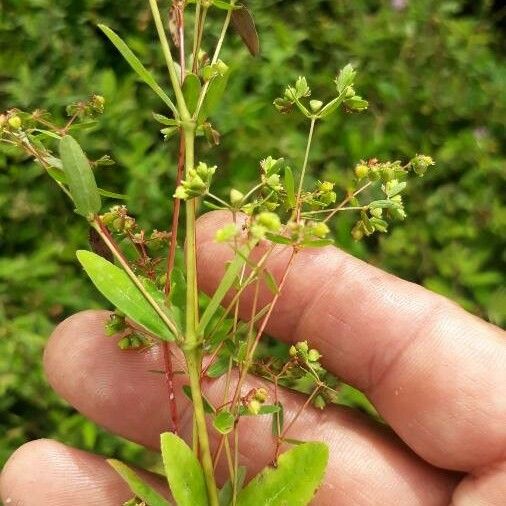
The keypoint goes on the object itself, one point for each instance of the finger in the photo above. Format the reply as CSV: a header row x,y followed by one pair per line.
x,y
116,389
486,487
433,371
47,473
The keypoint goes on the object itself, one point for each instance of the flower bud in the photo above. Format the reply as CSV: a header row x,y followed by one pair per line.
x,y
254,407
319,402
313,355
270,221
421,163
320,230
236,197
361,171
349,92
302,346
261,395
15,122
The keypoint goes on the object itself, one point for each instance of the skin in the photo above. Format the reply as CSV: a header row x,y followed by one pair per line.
x,y
435,373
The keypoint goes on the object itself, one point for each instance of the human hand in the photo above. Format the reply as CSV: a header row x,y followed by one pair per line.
x,y
435,373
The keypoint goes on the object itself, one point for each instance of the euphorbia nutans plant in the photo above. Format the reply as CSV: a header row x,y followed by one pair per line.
x,y
156,297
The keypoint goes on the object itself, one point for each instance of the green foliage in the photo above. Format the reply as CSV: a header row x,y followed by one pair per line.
x,y
119,289
293,481
183,471
79,176
430,70
137,485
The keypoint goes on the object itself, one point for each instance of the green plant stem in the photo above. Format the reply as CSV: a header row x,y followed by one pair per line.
x,y
216,55
304,166
192,347
185,115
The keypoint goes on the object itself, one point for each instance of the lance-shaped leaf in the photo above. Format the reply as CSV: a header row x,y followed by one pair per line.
x,y
80,178
294,481
244,25
141,489
137,66
184,472
120,290
289,187
225,285
215,91
225,495
191,91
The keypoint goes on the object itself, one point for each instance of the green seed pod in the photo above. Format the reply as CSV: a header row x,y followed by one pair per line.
x,y
261,395
357,232
420,164
270,221
320,230
254,407
302,346
315,105
319,402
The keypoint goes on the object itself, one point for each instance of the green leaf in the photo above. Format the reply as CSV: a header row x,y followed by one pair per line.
x,y
290,187
396,189
164,120
137,66
220,4
294,481
218,368
141,489
191,91
278,420
383,204
80,178
331,107
184,472
244,25
278,239
345,78
223,422
120,290
112,195
225,285
226,493
208,407
215,91
271,283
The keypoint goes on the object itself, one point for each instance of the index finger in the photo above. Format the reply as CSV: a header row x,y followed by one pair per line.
x,y
433,371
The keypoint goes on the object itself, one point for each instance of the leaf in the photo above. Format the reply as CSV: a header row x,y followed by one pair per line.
x,y
226,283
290,187
396,189
80,178
278,239
278,420
383,204
137,66
164,120
225,5
208,407
223,422
226,493
244,25
218,368
345,78
112,195
270,281
191,91
331,107
215,91
184,472
141,489
120,290
294,481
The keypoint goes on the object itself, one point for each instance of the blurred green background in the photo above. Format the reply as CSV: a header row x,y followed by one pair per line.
x,y
432,70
